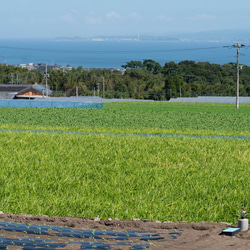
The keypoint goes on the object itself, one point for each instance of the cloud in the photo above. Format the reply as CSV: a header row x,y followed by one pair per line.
x,y
165,18
112,15
68,18
93,13
74,11
203,17
135,15
93,19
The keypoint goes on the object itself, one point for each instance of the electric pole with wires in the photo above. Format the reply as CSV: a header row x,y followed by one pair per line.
x,y
238,46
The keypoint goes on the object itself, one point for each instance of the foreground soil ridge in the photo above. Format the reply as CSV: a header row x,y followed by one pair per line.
x,y
164,235
77,222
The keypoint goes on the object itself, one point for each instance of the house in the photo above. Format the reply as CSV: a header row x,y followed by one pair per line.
x,y
28,91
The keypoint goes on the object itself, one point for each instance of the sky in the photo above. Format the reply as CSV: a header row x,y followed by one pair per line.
x,y
35,19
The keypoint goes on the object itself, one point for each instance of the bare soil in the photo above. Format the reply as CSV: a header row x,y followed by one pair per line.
x,y
164,235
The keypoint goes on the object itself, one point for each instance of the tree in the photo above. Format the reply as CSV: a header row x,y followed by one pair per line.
x,y
172,86
170,68
151,65
133,65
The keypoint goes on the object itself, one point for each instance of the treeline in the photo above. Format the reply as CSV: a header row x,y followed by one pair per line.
x,y
141,80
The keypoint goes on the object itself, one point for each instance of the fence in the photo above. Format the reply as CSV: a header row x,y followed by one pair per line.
x,y
49,104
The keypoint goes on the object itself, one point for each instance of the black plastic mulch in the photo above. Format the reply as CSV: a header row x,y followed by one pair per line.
x,y
87,239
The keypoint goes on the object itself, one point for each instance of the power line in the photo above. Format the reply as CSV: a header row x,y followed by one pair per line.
x,y
109,51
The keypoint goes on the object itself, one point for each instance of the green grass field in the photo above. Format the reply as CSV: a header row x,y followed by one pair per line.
x,y
183,107
156,178
116,117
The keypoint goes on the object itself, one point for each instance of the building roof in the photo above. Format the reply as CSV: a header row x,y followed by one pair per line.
x,y
38,88
9,91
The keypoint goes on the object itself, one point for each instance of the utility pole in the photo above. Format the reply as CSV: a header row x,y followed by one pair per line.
x,y
46,75
76,92
12,76
98,89
238,46
103,88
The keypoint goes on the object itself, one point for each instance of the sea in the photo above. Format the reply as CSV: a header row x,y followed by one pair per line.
x,y
114,54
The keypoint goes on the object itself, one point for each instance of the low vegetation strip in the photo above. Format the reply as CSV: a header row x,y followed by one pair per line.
x,y
127,134
166,179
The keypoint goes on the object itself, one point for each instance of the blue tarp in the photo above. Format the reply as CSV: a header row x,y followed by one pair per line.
x,y
48,104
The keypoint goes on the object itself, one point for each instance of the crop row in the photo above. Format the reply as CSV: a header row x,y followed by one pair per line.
x,y
120,120
167,179
183,107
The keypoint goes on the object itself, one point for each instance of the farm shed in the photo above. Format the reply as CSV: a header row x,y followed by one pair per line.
x,y
28,91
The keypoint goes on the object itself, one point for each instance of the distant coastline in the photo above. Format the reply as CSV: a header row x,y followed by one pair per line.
x,y
148,39
209,36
